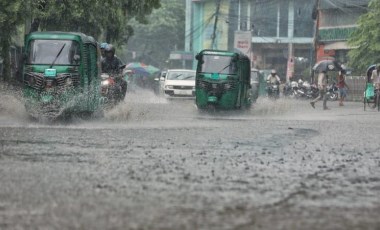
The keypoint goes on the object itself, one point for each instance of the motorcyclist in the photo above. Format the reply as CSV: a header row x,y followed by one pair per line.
x,y
102,49
111,65
274,79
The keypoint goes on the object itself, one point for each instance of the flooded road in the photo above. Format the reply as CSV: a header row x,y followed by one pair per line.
x,y
153,163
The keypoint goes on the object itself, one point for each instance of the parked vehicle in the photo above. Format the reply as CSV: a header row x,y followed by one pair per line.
x,y
291,89
332,92
61,74
223,80
179,83
305,90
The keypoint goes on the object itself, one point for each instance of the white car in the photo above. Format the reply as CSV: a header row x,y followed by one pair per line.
x,y
179,83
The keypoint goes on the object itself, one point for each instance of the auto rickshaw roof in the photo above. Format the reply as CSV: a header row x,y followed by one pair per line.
x,y
61,36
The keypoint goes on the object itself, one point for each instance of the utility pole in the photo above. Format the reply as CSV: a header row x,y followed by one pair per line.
x,y
290,67
316,34
187,25
239,15
278,20
215,24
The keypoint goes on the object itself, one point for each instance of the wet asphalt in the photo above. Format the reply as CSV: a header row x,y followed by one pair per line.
x,y
153,163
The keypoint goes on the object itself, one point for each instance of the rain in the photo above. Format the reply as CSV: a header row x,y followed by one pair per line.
x,y
154,160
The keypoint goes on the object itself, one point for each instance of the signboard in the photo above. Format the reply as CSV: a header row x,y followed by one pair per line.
x,y
243,42
335,34
290,69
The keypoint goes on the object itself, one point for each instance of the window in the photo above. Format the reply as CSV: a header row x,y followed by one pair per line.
x,y
185,75
46,51
218,64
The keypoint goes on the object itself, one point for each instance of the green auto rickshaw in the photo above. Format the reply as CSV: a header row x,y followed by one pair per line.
x,y
61,74
222,80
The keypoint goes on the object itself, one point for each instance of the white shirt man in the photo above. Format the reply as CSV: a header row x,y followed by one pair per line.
x,y
273,78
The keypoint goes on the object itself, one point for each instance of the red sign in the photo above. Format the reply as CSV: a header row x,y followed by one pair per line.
x,y
290,71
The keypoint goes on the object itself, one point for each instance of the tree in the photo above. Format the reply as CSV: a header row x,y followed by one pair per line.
x,y
366,38
91,16
165,32
10,17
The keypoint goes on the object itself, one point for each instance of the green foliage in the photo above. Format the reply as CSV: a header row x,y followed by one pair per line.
x,y
92,16
366,38
10,16
164,32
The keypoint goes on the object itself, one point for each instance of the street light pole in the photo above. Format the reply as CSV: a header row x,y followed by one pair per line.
x,y
215,24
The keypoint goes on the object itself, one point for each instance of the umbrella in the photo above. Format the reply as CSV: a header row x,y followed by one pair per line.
x,y
151,69
135,65
141,69
327,65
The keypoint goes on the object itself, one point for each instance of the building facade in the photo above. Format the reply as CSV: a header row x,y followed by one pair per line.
x,y
336,21
281,31
287,35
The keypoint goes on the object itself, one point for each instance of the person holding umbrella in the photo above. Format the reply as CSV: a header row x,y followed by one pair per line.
x,y
322,85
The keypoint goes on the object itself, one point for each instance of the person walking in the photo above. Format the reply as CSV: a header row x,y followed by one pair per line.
x,y
342,86
322,85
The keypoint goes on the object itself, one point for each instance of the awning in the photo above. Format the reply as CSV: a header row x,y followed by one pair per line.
x,y
337,46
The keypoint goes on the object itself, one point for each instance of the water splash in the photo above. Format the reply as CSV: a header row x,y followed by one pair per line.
x,y
137,106
11,104
265,106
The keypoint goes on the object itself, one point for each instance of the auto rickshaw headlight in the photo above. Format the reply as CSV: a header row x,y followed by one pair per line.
x,y
68,82
105,82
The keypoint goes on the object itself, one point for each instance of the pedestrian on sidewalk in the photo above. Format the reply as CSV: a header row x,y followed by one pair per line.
x,y
322,85
342,86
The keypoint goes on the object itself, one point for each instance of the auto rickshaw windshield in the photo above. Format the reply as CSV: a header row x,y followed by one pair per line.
x,y
181,75
218,64
45,51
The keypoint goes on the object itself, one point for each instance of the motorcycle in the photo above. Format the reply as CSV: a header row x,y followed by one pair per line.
x,y
112,88
307,90
290,89
332,92
273,91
